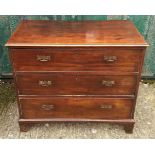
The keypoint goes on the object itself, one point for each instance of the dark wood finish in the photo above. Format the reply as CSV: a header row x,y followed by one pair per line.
x,y
76,107
102,33
24,127
28,122
129,128
77,71
97,59
74,83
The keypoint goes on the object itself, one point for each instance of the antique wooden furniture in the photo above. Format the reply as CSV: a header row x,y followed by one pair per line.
x,y
77,71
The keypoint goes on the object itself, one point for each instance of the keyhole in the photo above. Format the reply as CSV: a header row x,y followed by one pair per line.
x,y
76,78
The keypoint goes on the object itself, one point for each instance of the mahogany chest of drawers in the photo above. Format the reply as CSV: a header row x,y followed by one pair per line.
x,y
77,71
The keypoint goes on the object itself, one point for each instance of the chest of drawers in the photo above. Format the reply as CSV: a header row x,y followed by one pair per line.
x,y
77,71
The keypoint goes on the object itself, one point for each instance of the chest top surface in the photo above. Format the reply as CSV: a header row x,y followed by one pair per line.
x,y
76,33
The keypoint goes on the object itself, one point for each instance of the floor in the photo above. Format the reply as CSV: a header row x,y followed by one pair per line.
x,y
144,116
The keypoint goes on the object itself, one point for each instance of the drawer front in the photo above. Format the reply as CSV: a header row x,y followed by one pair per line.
x,y
76,107
76,59
75,84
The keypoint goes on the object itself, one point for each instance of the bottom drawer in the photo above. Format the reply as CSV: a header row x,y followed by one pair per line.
x,y
76,107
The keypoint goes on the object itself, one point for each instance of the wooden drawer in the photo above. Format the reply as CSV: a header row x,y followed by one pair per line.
x,y
75,83
57,59
76,107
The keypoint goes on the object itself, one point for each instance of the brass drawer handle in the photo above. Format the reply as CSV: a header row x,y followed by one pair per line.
x,y
43,58
110,58
45,83
47,107
105,106
108,83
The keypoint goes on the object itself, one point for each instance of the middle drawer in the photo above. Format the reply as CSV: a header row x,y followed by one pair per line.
x,y
73,83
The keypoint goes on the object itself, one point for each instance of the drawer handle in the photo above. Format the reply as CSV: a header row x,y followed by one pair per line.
x,y
45,83
43,58
47,107
110,58
108,83
105,106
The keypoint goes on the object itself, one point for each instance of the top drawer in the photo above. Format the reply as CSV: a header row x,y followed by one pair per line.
x,y
80,59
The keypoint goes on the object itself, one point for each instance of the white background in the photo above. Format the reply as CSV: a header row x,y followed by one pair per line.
x,y
77,7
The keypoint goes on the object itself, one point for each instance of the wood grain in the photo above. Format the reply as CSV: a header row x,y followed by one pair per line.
x,y
70,71
77,59
63,33
76,107
75,84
